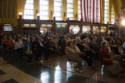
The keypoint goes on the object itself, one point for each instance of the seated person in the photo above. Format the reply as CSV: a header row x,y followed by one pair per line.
x,y
107,60
73,53
105,54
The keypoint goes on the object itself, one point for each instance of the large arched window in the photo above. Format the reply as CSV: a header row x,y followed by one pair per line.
x,y
70,9
29,10
106,11
58,9
44,9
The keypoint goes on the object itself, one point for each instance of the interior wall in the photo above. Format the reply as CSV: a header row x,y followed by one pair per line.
x,y
117,4
10,8
0,21
20,6
123,4
8,11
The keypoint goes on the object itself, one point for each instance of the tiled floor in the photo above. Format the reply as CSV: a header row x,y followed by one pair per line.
x,y
55,70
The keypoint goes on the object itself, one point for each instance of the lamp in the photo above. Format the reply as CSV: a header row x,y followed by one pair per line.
x,y
20,15
122,22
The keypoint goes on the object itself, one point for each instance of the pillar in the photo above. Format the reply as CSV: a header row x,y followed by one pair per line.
x,y
102,11
64,9
51,9
36,8
75,9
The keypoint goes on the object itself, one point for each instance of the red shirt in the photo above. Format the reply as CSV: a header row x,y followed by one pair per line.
x,y
105,56
8,43
104,52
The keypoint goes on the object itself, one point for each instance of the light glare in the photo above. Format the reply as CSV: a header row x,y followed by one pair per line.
x,y
123,22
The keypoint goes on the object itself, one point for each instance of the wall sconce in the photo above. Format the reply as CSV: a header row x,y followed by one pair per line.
x,y
38,16
20,15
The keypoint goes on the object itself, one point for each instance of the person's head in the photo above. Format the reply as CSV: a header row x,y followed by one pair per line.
x,y
104,44
71,43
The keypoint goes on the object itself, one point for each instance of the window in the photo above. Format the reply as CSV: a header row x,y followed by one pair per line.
x,y
91,10
58,9
106,11
44,9
70,9
86,29
79,10
75,29
29,10
30,25
61,25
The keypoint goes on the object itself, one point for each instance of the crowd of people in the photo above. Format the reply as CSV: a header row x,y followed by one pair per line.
x,y
107,49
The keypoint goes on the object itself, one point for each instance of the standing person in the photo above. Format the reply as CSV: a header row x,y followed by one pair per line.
x,y
36,49
9,46
45,48
18,46
28,49
62,44
94,50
